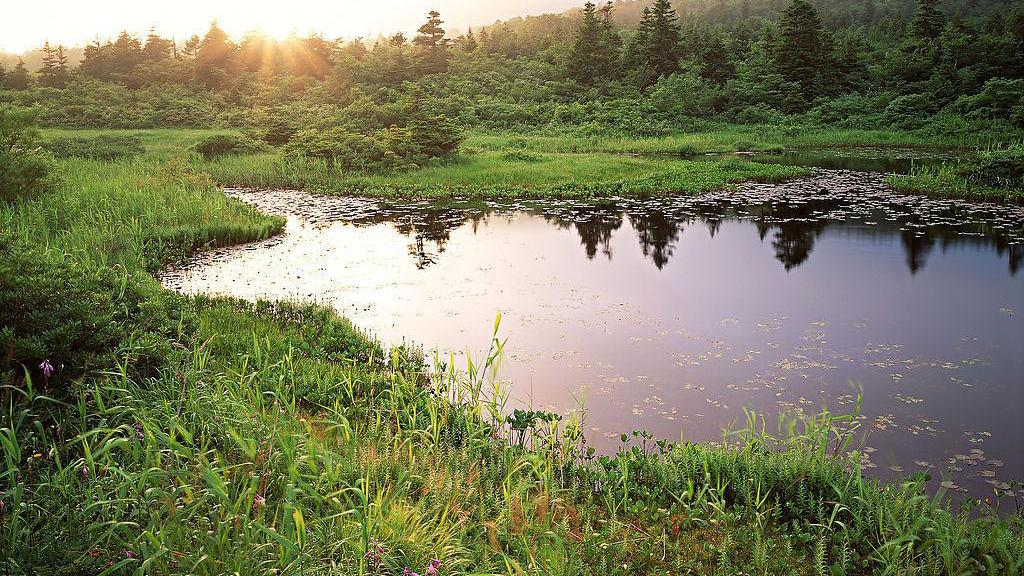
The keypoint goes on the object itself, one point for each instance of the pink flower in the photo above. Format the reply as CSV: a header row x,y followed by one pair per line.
x,y
434,566
46,368
85,472
408,572
258,501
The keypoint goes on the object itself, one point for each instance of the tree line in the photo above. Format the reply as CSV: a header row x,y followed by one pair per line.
x,y
624,65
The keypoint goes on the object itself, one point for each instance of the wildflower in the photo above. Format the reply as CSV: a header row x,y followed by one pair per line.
x,y
85,472
259,501
128,553
374,553
46,368
408,572
138,431
434,566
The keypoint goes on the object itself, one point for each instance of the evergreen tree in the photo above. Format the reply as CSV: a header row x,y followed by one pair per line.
x,y
928,21
468,42
19,78
584,55
716,63
3,76
54,73
191,49
799,53
216,58
157,48
663,49
431,45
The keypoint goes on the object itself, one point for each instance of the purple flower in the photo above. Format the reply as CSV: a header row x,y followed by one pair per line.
x,y
259,501
138,431
85,472
408,572
128,553
46,368
434,566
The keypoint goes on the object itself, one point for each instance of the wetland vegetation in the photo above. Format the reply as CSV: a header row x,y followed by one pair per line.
x,y
144,431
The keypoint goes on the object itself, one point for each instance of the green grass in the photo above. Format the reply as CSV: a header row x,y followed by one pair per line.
x,y
278,439
491,174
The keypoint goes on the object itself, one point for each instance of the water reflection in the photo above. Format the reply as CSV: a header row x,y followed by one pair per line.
x,y
674,313
790,217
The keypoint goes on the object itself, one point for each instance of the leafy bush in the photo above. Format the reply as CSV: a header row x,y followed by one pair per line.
x,y
75,317
908,112
24,172
760,114
999,169
102,147
229,144
341,148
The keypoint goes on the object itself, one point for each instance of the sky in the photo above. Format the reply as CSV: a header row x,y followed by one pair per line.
x,y
27,23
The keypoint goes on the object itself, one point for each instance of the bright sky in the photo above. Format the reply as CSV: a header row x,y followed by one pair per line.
x,y
25,24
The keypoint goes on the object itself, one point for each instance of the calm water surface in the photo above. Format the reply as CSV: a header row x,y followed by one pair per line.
x,y
675,313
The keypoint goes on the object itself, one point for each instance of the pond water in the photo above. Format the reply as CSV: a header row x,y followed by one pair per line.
x,y
675,313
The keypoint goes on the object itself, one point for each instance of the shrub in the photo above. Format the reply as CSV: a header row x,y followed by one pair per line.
x,y
103,147
229,144
24,172
760,114
908,112
341,148
999,169
59,310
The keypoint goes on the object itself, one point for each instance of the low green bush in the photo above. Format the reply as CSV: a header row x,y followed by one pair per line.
x,y
75,317
24,171
1001,168
229,144
341,148
102,147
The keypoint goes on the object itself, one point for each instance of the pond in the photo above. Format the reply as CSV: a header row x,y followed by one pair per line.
x,y
675,313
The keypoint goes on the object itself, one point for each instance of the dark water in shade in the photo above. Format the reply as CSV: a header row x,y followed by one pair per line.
x,y
674,313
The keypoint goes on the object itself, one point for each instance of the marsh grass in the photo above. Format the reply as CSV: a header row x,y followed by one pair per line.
x,y
491,174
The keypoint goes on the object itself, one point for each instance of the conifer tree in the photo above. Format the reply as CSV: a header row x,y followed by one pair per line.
x,y
431,44
19,78
928,20
663,49
799,53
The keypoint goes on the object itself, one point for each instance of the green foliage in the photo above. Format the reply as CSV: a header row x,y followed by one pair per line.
x,y
343,149
78,318
24,172
799,55
101,147
219,145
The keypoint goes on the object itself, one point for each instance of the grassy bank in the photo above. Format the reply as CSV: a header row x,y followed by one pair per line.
x,y
212,436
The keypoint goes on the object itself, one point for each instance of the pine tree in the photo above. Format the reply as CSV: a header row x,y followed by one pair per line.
x,y
663,49
928,21
54,73
431,44
468,42
19,78
799,53
584,56
157,48
716,63
216,57
3,76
